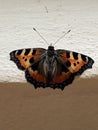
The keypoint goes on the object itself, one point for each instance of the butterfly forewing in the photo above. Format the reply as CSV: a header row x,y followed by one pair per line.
x,y
24,58
75,62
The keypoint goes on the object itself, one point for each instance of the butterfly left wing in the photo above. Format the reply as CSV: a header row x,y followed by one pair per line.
x,y
24,58
75,62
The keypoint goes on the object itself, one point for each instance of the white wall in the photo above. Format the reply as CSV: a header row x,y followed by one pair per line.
x,y
51,18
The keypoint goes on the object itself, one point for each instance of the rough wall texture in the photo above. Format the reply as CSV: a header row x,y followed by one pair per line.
x,y
52,18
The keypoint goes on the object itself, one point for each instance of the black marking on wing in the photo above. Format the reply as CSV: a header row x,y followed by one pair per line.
x,y
34,51
31,60
68,64
19,52
27,51
75,55
64,69
83,58
68,54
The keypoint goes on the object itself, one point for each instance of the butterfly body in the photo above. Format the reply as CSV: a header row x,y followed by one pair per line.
x,y
50,68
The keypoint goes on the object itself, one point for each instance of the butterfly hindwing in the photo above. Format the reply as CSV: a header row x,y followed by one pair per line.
x,y
75,62
26,57
38,80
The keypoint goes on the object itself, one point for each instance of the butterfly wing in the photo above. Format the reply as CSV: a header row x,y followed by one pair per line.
x,y
26,57
75,62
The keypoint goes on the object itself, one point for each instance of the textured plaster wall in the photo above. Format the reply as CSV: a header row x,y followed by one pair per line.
x,y
52,18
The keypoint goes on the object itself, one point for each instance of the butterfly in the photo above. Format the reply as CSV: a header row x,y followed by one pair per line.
x,y
50,67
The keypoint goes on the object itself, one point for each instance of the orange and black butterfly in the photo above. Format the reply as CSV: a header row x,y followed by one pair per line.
x,y
50,68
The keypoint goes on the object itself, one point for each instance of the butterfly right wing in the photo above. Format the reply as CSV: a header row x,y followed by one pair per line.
x,y
24,58
75,62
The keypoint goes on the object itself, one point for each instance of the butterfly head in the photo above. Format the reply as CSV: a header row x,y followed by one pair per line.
x,y
50,51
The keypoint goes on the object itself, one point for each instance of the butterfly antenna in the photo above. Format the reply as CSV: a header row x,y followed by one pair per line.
x,y
62,37
40,35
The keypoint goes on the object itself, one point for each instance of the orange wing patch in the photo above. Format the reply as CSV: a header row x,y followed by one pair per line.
x,y
62,77
36,76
